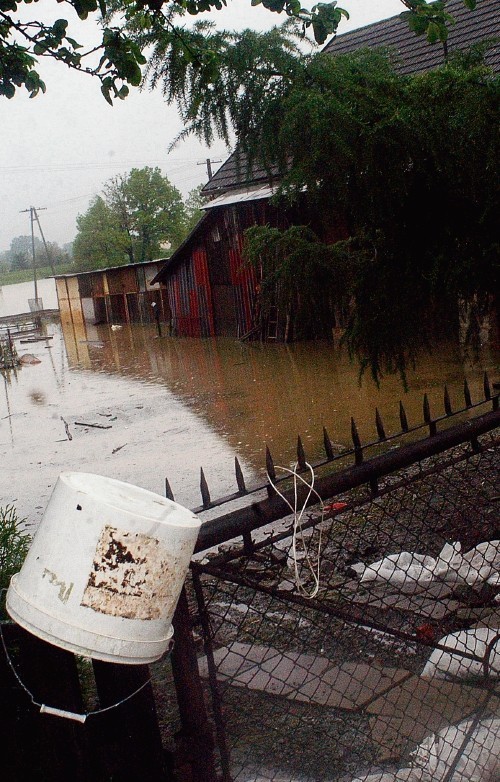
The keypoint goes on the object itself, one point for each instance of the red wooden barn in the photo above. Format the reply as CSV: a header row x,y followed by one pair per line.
x,y
210,290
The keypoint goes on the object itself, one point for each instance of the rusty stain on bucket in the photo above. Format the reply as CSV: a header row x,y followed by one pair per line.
x,y
133,576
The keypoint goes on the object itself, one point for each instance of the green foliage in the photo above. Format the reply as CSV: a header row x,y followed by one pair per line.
x,y
20,254
14,545
193,205
129,27
9,277
301,276
411,166
139,217
149,209
100,242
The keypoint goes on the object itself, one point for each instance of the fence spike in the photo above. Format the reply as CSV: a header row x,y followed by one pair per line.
x,y
301,456
428,416
427,410
270,465
205,493
327,444
168,491
486,386
380,425
240,480
403,418
467,397
447,403
271,473
358,451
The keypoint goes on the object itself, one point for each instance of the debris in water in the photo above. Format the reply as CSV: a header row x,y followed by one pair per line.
x,y
29,358
94,426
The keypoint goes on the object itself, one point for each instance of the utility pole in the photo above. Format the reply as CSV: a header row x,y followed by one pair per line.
x,y
32,212
208,164
49,258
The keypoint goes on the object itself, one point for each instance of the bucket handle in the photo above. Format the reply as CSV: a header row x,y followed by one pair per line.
x,y
69,715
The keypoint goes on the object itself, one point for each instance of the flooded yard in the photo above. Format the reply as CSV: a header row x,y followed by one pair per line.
x,y
128,404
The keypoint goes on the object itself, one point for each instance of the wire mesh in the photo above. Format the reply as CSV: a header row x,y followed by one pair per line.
x,y
390,671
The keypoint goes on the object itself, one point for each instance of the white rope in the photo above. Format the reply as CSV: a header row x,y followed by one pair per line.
x,y
297,528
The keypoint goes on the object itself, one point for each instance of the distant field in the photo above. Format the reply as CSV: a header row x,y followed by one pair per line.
x,y
25,275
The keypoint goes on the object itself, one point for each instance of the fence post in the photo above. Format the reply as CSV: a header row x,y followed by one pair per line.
x,y
195,740
50,674
127,736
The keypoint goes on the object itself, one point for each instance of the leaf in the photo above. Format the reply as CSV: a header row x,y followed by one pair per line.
x,y
59,27
436,32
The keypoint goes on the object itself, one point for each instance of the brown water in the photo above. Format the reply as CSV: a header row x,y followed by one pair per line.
x,y
174,405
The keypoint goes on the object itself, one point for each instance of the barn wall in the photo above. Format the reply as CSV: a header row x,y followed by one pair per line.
x,y
210,291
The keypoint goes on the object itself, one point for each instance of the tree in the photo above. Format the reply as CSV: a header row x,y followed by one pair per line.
x,y
194,203
99,241
409,166
140,216
20,253
129,26
150,211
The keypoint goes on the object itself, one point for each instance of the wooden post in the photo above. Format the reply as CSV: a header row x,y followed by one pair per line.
x,y
128,736
195,742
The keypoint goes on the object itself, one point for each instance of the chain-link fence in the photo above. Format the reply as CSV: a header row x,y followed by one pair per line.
x,y
360,640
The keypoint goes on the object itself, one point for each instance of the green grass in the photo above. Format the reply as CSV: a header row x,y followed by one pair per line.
x,y
26,275
14,545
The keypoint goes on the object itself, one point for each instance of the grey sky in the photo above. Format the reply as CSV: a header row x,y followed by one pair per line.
x,y
59,149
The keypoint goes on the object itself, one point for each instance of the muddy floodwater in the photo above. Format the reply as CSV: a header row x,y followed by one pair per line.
x,y
126,403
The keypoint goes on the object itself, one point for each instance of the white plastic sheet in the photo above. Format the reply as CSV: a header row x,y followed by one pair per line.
x,y
483,642
412,572
473,751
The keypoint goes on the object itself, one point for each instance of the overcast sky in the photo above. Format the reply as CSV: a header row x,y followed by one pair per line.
x,y
58,149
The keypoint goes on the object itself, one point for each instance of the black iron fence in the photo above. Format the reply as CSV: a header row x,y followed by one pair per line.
x,y
317,635
324,668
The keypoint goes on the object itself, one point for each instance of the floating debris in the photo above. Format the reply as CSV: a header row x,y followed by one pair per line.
x,y
8,353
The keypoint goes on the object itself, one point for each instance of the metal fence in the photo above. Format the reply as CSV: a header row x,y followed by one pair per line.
x,y
317,634
358,638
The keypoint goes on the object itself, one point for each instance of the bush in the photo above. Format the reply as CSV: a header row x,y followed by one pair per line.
x,y
14,545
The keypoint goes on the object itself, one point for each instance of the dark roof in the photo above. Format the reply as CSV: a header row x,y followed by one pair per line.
x,y
413,52
235,172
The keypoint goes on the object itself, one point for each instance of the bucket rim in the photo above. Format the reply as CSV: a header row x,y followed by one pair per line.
x,y
76,480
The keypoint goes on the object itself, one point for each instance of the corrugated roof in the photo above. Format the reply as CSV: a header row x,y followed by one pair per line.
x,y
240,196
111,268
413,52
414,55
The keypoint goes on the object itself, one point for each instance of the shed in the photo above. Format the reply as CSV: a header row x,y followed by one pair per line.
x,y
117,294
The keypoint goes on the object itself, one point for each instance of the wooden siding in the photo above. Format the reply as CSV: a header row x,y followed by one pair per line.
x,y
192,286
117,295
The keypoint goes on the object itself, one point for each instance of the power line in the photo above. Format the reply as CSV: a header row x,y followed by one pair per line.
x,y
171,164
208,164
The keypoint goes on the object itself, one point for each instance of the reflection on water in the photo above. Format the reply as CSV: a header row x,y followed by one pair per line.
x,y
129,405
253,394
14,299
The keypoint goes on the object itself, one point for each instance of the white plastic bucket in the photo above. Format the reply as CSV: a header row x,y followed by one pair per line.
x,y
105,569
